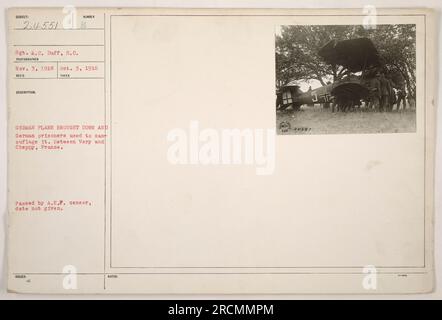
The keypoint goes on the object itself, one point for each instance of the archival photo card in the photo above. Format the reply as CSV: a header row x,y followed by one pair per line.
x,y
147,154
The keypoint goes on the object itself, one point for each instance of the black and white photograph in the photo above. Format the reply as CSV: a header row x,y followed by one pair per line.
x,y
340,79
203,152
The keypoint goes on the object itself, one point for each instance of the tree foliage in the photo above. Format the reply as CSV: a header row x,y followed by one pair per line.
x,y
297,51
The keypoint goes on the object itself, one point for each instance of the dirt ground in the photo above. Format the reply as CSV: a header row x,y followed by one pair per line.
x,y
317,120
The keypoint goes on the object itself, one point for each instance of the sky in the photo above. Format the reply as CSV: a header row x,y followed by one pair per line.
x,y
305,85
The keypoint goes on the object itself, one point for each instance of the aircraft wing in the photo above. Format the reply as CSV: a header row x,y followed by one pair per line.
x,y
350,89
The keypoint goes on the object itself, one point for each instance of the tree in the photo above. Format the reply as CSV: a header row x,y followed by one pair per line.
x,y
297,51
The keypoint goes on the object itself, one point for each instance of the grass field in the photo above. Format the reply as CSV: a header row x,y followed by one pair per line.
x,y
316,120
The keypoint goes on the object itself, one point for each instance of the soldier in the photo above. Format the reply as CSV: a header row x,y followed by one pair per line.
x,y
357,104
312,104
411,100
401,97
375,93
334,105
385,92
